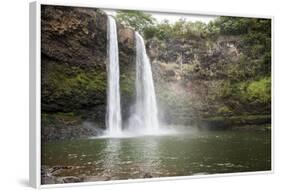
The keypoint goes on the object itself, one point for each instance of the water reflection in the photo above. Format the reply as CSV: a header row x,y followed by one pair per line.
x,y
140,159
150,162
110,157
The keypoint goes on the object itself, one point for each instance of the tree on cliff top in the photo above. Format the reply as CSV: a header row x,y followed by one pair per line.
x,y
137,20
255,34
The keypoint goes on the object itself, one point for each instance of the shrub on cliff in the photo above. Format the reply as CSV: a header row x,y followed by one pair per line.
x,y
138,20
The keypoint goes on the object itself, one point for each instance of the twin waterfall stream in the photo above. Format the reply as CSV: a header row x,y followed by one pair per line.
x,y
113,113
143,119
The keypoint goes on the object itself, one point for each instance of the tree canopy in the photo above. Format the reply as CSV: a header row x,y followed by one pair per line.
x,y
138,20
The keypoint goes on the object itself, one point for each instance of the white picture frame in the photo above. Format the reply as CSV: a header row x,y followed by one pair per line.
x,y
35,93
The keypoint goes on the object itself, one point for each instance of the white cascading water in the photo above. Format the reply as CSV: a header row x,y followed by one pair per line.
x,y
113,114
145,118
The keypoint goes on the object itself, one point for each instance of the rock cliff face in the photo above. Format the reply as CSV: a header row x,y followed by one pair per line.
x,y
195,53
192,79
73,65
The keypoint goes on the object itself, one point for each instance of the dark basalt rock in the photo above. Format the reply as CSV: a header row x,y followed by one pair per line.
x,y
147,175
243,122
76,36
69,179
53,175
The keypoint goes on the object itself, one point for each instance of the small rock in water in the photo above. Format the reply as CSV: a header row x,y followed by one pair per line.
x,y
48,180
135,172
96,178
147,175
69,179
201,173
58,169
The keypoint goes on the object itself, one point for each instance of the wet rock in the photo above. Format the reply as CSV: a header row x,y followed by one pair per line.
x,y
170,73
69,179
147,175
96,178
252,122
62,131
48,180
57,169
46,175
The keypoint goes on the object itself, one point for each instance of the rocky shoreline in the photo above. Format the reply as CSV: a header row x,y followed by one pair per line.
x,y
53,175
51,134
68,132
253,122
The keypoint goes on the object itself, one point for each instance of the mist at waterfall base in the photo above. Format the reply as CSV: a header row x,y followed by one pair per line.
x,y
143,119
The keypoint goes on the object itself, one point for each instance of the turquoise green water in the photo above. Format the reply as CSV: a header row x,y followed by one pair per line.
x,y
159,156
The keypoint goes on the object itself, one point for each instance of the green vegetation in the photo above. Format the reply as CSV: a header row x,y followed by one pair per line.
x,y
179,29
68,118
69,88
137,20
127,83
260,90
255,37
64,82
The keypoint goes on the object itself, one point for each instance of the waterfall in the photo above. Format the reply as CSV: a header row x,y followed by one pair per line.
x,y
113,112
145,118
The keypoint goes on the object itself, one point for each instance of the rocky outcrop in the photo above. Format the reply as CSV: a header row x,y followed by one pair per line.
x,y
74,36
60,174
73,65
200,52
66,126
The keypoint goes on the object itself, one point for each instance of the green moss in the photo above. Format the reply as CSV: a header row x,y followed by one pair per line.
x,y
66,88
127,83
224,110
259,91
240,95
240,117
66,80
60,118
268,126
225,89
238,120
63,80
